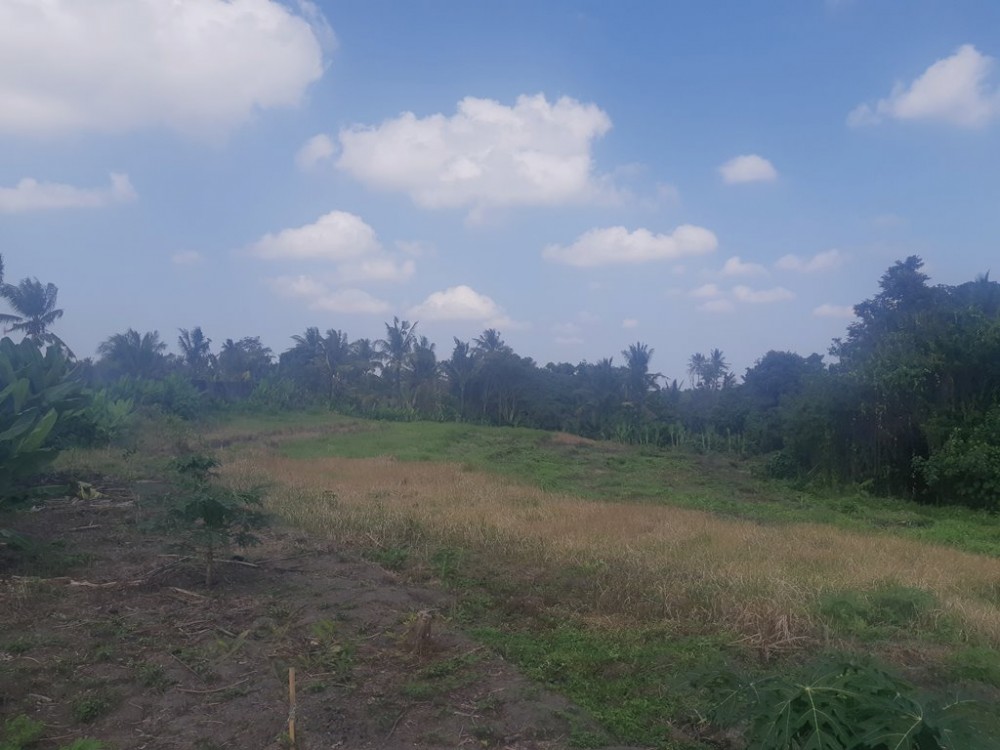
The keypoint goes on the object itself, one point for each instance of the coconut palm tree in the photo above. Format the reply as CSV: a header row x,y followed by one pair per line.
x,y
35,304
132,353
196,349
395,349
638,379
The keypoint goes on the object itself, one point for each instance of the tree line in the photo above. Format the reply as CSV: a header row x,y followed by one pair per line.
x,y
908,405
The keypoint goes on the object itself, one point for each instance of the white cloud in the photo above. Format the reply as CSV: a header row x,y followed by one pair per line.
x,y
630,323
320,297
717,306
462,303
197,66
705,291
762,296
833,311
186,258
32,195
599,247
486,155
736,267
376,269
353,301
317,149
955,90
336,236
825,261
748,168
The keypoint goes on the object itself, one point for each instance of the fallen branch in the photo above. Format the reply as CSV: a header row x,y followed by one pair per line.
x,y
214,690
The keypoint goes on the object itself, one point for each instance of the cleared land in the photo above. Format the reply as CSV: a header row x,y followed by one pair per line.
x,y
614,577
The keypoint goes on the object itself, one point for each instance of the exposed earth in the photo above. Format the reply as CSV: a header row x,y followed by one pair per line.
x,y
109,632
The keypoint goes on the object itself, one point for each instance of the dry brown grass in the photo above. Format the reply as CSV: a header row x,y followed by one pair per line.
x,y
632,560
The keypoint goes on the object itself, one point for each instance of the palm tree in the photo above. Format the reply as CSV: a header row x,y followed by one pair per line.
x,y
696,369
35,304
196,350
4,317
639,380
490,341
460,370
132,353
395,350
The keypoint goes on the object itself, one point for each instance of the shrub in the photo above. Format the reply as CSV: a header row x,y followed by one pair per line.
x,y
211,514
844,705
37,393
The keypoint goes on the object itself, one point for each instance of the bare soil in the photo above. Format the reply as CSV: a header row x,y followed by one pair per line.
x,y
109,632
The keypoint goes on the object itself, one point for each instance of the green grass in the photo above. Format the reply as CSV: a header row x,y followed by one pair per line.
x,y
631,682
612,472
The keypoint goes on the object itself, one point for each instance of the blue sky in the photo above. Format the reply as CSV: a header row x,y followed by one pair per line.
x,y
580,175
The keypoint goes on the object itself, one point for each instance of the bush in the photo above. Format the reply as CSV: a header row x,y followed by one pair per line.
x,y
211,514
844,705
172,395
37,396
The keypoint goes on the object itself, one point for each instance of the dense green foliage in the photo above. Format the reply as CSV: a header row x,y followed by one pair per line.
x,y
845,705
36,395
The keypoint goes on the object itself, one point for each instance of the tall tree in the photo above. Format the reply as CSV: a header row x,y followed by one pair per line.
x,y
35,305
246,359
460,369
638,379
196,350
395,350
140,355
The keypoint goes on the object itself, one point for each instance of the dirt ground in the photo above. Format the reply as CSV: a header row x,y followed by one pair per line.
x,y
109,632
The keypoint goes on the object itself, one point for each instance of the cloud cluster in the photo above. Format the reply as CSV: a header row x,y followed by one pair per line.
x,y
32,195
197,66
346,243
748,168
317,149
736,267
719,301
486,155
955,90
617,245
461,303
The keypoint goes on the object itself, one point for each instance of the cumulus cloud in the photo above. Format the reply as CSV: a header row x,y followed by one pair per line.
x,y
762,296
336,236
486,155
197,66
32,195
825,261
748,168
317,149
599,247
833,311
955,90
460,303
736,267
186,258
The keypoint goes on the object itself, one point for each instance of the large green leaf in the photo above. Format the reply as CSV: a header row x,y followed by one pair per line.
x,y
42,429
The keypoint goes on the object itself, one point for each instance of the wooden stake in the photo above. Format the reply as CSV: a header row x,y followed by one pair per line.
x,y
291,706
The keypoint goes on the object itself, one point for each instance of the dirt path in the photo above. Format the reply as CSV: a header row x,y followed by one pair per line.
x,y
127,646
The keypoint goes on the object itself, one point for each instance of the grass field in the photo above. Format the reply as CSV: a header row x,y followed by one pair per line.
x,y
615,573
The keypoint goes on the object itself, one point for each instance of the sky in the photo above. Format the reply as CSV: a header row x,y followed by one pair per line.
x,y
579,175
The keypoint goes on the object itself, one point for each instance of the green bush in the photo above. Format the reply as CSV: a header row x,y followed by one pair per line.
x,y
37,395
845,705
172,395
